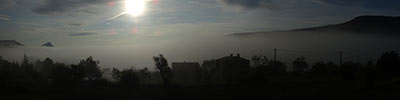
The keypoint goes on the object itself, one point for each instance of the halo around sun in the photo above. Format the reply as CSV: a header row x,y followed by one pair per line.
x,y
135,7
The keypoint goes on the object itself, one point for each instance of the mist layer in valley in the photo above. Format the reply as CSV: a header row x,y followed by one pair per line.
x,y
314,46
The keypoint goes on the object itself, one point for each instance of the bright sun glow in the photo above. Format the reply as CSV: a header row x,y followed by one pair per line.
x,y
135,7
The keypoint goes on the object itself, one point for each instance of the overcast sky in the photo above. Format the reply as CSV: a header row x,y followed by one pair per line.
x,y
86,23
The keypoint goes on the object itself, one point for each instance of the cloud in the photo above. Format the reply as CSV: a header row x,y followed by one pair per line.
x,y
60,6
82,34
6,4
372,4
75,24
250,4
4,18
10,43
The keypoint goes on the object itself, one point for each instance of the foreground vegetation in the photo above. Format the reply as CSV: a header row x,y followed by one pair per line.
x,y
268,79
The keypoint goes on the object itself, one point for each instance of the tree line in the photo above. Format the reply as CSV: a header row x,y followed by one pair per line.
x,y
24,75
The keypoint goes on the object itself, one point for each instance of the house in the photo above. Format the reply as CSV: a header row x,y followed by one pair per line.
x,y
232,69
186,73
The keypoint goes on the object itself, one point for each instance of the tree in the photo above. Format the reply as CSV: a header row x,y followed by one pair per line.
x,y
115,73
329,69
162,65
5,72
126,77
78,73
144,74
48,66
61,74
389,64
260,64
265,67
369,74
207,70
300,65
349,70
275,68
260,60
28,71
91,69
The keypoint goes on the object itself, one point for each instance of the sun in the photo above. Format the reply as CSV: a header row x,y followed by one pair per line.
x,y
135,7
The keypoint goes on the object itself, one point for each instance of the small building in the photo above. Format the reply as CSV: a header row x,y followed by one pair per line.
x,y
186,73
232,69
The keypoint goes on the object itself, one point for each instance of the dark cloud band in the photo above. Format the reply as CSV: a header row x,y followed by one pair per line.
x,y
82,34
4,17
251,4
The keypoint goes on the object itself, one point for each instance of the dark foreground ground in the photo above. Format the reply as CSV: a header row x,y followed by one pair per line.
x,y
283,90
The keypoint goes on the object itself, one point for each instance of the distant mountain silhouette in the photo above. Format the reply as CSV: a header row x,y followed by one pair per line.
x,y
10,43
48,44
384,25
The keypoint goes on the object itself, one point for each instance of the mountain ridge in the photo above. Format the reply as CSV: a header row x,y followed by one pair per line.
x,y
367,24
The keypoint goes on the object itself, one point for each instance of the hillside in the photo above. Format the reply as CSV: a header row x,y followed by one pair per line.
x,y
383,25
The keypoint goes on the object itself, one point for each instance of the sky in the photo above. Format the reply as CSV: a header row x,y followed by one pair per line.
x,y
182,29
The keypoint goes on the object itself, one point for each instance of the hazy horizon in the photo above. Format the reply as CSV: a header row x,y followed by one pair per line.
x,y
322,47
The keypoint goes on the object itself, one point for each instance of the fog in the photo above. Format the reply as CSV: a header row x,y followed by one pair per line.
x,y
314,46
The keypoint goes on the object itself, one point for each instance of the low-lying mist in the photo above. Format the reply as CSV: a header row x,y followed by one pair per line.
x,y
314,46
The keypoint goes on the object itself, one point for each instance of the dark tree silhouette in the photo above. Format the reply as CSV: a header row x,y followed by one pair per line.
x,y
78,73
368,75
144,74
92,70
162,65
349,70
260,64
207,71
61,74
85,80
265,67
5,72
389,64
260,60
276,68
126,77
48,66
29,73
300,65
321,69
